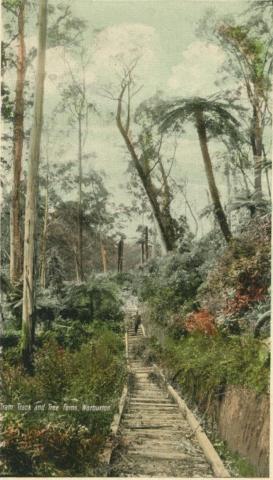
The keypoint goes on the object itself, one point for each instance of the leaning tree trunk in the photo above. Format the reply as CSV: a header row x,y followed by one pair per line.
x,y
219,211
31,196
80,241
16,254
164,224
154,245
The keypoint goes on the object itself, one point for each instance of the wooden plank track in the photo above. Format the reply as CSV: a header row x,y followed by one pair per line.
x,y
155,436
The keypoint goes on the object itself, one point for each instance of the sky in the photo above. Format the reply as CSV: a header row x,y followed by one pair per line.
x,y
173,60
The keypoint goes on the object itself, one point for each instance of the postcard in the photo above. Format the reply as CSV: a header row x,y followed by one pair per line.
x,y
136,238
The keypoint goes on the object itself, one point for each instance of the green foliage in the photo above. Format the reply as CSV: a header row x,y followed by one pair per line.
x,y
220,294
122,279
61,443
96,300
219,116
57,448
10,338
78,358
206,364
238,466
7,104
170,282
240,278
69,333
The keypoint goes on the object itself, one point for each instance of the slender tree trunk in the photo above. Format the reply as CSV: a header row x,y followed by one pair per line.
x,y
190,210
103,256
228,193
142,252
257,149
219,211
266,173
244,175
31,196
120,255
74,249
77,268
165,211
43,241
80,242
16,254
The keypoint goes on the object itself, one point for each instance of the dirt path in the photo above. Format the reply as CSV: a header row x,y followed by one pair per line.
x,y
155,438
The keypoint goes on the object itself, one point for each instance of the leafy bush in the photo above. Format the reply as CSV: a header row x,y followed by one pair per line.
x,y
95,300
69,333
10,338
123,279
240,278
201,321
169,282
203,365
53,448
61,443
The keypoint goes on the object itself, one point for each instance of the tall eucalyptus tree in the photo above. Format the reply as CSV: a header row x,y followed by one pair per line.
x,y
17,11
31,195
75,102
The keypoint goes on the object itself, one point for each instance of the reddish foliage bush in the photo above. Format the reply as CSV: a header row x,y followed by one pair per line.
x,y
201,321
241,303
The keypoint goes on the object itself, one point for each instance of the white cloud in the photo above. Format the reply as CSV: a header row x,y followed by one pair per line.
x,y
197,72
121,44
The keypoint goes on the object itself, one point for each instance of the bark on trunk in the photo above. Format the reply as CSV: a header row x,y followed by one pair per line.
x,y
80,242
244,175
257,149
31,196
120,255
266,172
219,211
75,248
142,253
103,256
228,193
43,241
16,254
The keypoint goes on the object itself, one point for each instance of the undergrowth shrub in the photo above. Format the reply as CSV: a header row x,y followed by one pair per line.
x,y
201,321
51,448
240,279
94,300
62,442
169,282
203,365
